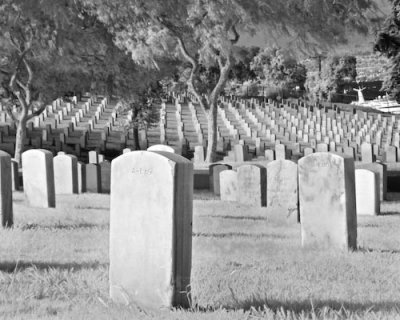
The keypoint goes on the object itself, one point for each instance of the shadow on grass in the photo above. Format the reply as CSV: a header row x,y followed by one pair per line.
x,y
313,306
239,234
35,226
16,266
91,208
252,218
390,213
378,251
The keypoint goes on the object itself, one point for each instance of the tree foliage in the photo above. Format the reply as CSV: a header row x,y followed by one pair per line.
x,y
388,43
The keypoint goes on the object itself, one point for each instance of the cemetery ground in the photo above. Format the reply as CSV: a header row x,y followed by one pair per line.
x,y
246,265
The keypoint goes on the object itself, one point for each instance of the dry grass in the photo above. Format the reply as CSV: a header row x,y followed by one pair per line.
x,y
246,265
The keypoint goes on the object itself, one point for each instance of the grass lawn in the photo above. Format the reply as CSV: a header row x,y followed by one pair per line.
x,y
246,265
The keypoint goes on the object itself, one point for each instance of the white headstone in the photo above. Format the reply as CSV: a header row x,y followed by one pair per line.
x,y
367,192
65,174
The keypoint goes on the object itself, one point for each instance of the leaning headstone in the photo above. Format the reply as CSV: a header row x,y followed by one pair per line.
x,y
161,147
15,182
6,203
38,177
327,201
93,178
151,229
93,157
367,192
65,174
105,176
81,167
228,185
214,171
252,185
282,187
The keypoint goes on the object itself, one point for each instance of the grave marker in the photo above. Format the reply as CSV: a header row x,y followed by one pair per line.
x,y
367,192
214,171
228,185
65,174
251,185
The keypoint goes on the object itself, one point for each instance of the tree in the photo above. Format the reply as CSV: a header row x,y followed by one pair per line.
x,y
388,43
205,32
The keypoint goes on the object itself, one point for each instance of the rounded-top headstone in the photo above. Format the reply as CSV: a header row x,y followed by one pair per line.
x,y
252,185
367,192
327,201
161,147
38,177
65,174
151,228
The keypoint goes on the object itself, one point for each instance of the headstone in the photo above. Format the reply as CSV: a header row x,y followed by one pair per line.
x,y
327,201
367,192
280,152
366,153
65,174
105,176
151,229
81,167
228,185
381,170
308,151
93,178
282,187
269,155
161,147
198,154
126,150
240,152
214,171
251,185
6,201
391,154
93,157
38,177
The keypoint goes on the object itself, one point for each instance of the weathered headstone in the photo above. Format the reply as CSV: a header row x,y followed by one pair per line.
x,y
228,185
161,147
151,229
6,202
280,152
65,174
327,201
38,178
367,155
93,178
214,171
252,185
282,187
105,176
367,192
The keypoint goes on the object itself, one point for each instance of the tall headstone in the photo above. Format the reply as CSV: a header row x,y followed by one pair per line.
x,y
228,185
280,152
151,229
198,154
282,187
161,147
105,176
327,201
65,174
252,185
367,192
93,178
367,155
214,171
6,202
38,177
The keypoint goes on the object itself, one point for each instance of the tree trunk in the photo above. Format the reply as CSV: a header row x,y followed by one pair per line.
x,y
20,140
212,132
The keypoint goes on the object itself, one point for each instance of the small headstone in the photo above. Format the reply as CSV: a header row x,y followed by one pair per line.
x,y
269,155
308,151
126,150
161,147
252,185
282,187
100,158
228,185
327,201
81,167
151,229
38,178
105,176
93,178
280,152
391,154
367,155
93,157
214,171
65,174
381,170
199,154
367,192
